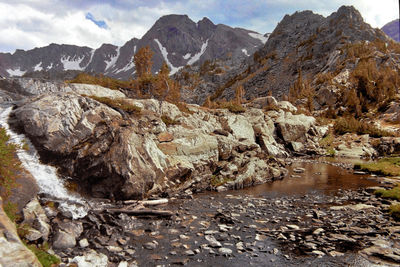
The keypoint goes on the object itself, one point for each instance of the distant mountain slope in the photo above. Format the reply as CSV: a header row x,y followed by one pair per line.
x,y
392,29
302,42
175,39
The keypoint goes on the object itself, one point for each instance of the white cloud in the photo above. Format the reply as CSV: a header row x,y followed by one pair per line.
x,y
31,23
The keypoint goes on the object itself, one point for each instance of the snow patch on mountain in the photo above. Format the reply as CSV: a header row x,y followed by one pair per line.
x,y
164,52
91,57
245,52
127,67
16,72
113,59
187,56
197,56
38,67
71,63
258,36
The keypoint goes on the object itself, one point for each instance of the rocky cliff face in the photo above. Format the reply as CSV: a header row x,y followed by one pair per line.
x,y
392,29
175,39
112,153
302,42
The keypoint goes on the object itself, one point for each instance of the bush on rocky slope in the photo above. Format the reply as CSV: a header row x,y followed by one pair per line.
x,y
352,125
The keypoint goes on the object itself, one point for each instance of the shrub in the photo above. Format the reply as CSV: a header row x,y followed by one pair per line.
x,y
101,80
169,121
351,125
118,104
233,107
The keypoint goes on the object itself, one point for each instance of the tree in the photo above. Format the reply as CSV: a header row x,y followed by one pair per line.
x,y
143,61
239,94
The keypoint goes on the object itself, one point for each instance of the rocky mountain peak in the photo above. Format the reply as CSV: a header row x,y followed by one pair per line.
x,y
392,29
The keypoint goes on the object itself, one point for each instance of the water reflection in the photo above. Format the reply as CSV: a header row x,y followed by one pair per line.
x,y
317,177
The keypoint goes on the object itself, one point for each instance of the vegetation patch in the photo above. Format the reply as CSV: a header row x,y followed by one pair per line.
x,y
352,125
384,166
233,107
45,258
169,121
118,104
10,167
394,211
101,80
215,181
393,193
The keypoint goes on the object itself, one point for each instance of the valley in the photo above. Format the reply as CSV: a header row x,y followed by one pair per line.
x,y
205,145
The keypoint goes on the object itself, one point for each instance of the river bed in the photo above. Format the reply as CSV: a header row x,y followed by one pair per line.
x,y
320,217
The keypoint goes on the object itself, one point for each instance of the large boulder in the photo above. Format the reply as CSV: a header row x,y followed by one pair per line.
x,y
12,251
294,128
35,217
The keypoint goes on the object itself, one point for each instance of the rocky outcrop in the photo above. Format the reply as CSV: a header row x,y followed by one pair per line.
x,y
12,251
115,154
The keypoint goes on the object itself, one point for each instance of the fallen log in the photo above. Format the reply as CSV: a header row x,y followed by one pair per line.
x,y
148,202
143,212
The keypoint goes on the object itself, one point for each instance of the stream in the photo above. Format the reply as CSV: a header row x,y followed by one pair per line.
x,y
320,215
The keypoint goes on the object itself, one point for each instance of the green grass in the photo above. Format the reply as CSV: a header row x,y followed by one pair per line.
x,y
393,193
394,211
117,104
384,166
11,209
10,166
45,258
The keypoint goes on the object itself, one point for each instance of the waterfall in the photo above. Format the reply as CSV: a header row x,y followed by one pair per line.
x,y
46,176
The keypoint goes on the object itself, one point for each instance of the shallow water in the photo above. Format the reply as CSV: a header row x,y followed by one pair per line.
x,y
318,177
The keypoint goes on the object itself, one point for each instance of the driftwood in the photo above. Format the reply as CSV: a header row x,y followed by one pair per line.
x,y
147,202
143,212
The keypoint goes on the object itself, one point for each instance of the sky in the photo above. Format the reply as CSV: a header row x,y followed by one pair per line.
x,y
25,24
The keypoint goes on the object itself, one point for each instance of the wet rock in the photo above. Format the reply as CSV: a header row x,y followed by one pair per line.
x,y
35,217
225,251
151,245
212,241
299,170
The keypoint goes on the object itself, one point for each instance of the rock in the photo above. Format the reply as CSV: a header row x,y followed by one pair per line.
x,y
90,259
189,252
225,251
151,245
335,254
66,234
297,146
318,231
318,253
35,217
385,253
356,207
293,226
165,137
83,243
12,251
293,128
212,241
221,188
299,170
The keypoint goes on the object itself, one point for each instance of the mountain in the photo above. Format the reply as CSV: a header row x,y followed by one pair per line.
x,y
175,39
302,45
392,29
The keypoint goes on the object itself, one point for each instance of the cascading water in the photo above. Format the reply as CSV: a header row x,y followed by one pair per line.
x,y
46,176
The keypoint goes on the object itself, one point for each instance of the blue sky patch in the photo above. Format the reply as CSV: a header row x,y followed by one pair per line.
x,y
100,23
